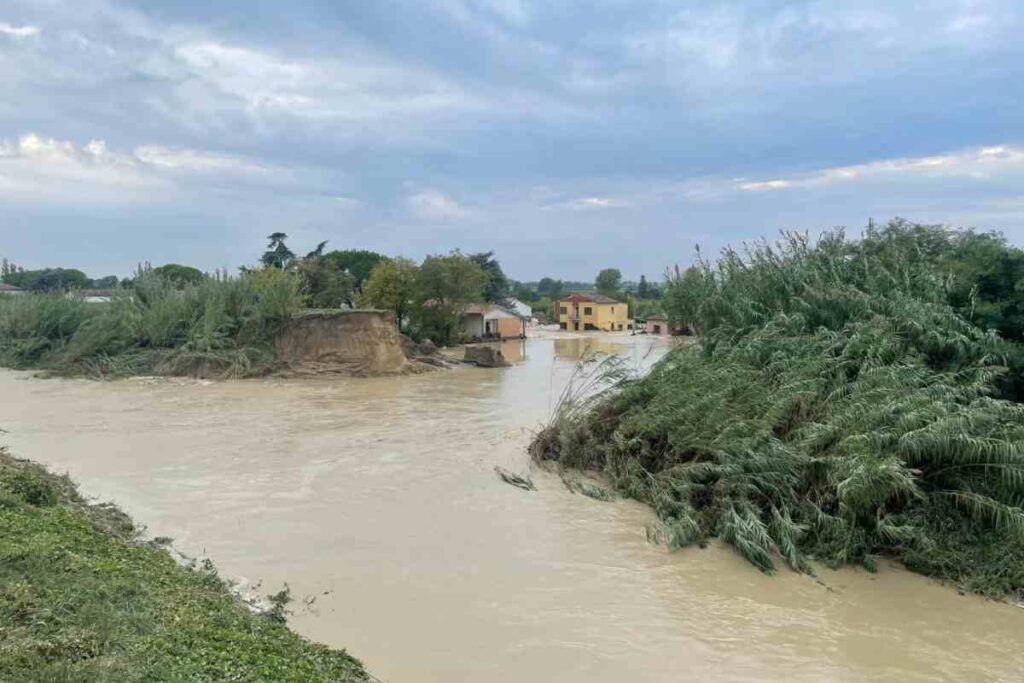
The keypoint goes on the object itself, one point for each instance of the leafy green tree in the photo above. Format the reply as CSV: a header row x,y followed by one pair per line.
x,y
391,286
318,252
549,287
643,308
48,279
643,290
18,278
497,288
523,292
688,291
324,284
7,268
445,285
108,282
179,275
278,255
609,281
358,262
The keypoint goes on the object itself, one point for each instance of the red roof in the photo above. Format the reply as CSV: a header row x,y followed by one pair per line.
x,y
593,298
4,287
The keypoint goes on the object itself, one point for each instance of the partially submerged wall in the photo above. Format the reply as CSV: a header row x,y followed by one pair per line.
x,y
359,343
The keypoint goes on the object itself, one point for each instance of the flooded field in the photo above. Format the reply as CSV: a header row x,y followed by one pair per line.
x,y
376,501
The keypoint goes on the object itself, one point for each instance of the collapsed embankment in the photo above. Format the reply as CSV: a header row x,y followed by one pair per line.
x,y
353,343
81,598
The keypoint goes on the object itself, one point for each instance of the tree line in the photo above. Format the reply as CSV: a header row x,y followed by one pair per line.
x,y
427,297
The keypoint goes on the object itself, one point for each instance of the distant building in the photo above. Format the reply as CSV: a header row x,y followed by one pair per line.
x,y
657,324
520,308
94,295
490,321
10,290
580,312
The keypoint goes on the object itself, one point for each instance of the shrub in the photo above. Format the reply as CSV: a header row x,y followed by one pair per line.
x,y
837,407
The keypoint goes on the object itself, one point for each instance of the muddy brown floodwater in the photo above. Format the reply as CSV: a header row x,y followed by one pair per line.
x,y
377,497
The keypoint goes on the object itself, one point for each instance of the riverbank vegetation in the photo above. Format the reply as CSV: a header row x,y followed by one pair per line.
x,y
847,400
176,320
81,599
222,325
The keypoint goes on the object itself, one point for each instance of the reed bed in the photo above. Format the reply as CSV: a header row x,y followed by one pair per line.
x,y
222,326
836,409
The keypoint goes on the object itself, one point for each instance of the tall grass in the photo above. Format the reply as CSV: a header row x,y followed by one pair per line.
x,y
222,325
835,409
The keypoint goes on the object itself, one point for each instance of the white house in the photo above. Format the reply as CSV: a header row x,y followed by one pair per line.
x,y
520,308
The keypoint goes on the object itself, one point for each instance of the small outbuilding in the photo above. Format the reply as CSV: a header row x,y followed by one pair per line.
x,y
10,290
490,321
657,325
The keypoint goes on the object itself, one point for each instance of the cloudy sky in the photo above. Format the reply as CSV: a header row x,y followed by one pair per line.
x,y
566,135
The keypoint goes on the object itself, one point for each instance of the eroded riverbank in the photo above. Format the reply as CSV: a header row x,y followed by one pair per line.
x,y
378,498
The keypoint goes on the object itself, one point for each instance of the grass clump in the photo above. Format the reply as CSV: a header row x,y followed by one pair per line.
x,y
837,408
219,326
81,600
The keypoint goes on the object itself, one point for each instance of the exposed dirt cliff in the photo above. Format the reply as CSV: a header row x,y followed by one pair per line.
x,y
355,343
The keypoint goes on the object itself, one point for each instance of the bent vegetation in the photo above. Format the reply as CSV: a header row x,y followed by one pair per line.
x,y
846,401
220,326
81,598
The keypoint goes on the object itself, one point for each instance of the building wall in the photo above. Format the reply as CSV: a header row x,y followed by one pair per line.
x,y
473,326
612,317
510,328
607,317
495,322
658,327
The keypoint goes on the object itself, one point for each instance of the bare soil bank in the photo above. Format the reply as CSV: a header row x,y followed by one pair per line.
x,y
361,343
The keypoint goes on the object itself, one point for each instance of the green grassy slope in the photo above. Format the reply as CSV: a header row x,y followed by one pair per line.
x,y
82,600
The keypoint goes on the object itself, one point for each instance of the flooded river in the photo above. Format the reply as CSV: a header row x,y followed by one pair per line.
x,y
376,500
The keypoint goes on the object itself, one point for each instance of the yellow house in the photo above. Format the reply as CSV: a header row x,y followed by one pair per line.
x,y
579,312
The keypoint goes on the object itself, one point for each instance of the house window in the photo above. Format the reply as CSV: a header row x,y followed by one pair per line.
x,y
563,310
587,310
